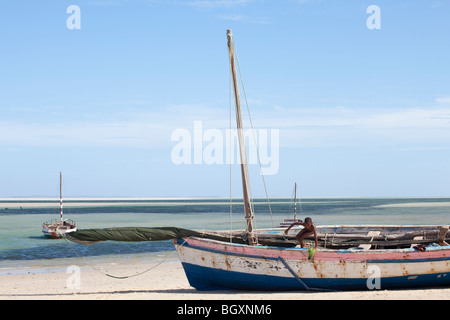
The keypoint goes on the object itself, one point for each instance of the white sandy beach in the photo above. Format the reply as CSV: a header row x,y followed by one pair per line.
x,y
166,281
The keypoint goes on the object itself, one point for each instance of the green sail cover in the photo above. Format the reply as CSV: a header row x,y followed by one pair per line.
x,y
91,236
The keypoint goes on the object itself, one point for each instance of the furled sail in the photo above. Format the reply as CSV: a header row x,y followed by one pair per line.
x,y
91,236
327,236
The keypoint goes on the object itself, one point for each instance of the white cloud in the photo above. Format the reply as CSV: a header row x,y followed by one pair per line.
x,y
243,18
233,17
358,126
444,100
80,134
299,127
134,128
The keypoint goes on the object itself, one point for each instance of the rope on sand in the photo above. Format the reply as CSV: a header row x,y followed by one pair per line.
x,y
120,277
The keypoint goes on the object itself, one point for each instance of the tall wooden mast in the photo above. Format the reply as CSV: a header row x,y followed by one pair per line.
x,y
242,151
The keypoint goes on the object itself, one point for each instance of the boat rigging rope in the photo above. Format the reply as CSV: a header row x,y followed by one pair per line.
x,y
231,167
121,277
254,137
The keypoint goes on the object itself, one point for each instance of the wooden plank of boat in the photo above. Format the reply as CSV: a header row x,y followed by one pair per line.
x,y
367,246
443,231
426,233
336,240
416,244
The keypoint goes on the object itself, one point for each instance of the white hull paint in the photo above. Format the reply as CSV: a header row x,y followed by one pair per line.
x,y
56,230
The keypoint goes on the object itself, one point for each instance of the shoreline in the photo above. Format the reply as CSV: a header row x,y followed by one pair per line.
x,y
27,203
15,199
165,281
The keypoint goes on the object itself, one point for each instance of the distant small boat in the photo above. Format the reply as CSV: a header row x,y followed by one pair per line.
x,y
55,228
288,221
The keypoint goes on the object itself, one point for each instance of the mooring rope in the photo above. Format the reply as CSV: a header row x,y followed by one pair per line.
x,y
120,277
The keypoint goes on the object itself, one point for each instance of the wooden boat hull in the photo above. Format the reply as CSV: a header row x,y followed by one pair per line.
x,y
215,265
56,234
54,229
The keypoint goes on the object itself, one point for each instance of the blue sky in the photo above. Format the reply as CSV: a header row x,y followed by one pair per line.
x,y
360,112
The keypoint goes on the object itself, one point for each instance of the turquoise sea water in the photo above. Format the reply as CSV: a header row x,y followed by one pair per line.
x,y
22,243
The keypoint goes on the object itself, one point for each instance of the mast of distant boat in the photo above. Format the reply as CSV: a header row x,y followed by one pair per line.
x,y
60,195
242,152
295,201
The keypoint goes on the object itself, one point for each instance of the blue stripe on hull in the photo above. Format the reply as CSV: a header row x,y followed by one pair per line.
x,y
203,278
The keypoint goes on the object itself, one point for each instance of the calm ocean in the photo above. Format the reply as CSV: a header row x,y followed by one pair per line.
x,y
22,243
